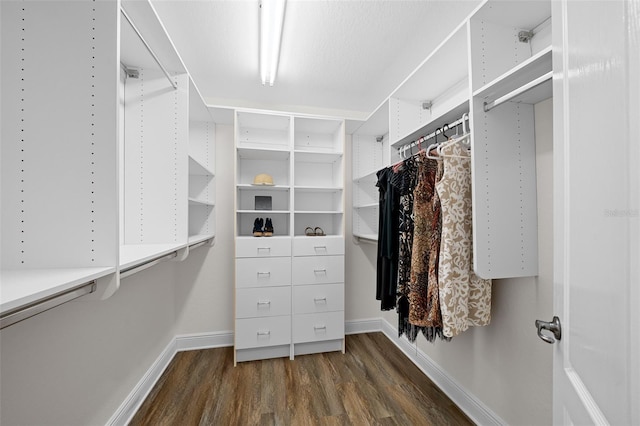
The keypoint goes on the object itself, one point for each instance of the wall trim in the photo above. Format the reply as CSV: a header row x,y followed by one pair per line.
x,y
362,326
136,397
477,411
190,342
469,403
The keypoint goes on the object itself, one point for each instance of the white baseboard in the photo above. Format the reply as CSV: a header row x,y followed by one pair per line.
x,y
136,397
179,343
469,403
363,326
190,342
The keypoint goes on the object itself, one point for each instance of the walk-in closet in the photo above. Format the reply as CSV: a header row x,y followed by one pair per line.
x,y
298,212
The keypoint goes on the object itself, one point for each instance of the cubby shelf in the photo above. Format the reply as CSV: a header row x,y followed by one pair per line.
x,y
197,202
196,168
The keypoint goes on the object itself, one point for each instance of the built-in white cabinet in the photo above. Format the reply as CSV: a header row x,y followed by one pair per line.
x,y
493,67
304,194
103,154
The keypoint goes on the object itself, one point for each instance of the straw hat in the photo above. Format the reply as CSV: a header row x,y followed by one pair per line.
x,y
263,179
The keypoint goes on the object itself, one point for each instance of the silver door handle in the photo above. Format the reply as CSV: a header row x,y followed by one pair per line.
x,y
553,326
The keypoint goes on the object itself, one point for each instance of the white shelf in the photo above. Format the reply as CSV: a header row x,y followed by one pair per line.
x,y
250,187
367,206
264,212
21,287
196,168
461,106
196,202
318,212
317,189
369,176
518,76
136,254
194,239
371,237
263,153
317,157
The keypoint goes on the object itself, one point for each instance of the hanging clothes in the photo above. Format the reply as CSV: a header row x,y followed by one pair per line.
x,y
424,306
465,298
387,261
404,180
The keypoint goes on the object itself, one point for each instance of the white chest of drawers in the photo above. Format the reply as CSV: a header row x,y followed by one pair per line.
x,y
289,296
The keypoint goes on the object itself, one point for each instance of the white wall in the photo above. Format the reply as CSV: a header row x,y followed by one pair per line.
x,y
505,365
75,364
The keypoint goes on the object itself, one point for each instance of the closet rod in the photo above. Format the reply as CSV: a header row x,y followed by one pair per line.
x,y
200,244
432,135
37,307
138,268
155,58
488,106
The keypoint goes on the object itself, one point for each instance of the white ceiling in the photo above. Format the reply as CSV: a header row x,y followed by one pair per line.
x,y
338,57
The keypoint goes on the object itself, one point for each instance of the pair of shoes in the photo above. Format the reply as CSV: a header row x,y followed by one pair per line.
x,y
262,227
314,232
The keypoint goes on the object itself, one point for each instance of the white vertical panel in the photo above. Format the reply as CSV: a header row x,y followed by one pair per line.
x,y
505,227
59,124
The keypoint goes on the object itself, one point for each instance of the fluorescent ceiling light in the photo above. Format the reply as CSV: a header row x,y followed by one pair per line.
x,y
271,22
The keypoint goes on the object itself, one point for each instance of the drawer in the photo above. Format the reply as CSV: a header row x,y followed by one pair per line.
x,y
309,299
318,246
316,327
263,247
258,332
263,272
318,270
263,302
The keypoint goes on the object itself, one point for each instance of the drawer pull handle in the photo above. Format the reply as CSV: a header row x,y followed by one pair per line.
x,y
264,302
320,299
317,271
264,248
320,247
319,327
264,333
264,273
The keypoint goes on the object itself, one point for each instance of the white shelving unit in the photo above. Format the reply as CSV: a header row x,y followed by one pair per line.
x,y
59,197
202,162
304,156
95,168
481,62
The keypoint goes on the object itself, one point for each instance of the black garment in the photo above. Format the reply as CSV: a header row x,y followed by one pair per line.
x,y
404,180
387,264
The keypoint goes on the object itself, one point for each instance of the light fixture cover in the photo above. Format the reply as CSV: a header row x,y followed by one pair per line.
x,y
271,23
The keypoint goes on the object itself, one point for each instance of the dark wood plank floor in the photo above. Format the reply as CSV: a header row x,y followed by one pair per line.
x,y
372,384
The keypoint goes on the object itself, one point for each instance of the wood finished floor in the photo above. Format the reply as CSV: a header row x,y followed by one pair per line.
x,y
374,383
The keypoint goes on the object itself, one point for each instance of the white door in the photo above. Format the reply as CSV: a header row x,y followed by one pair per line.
x,y
596,211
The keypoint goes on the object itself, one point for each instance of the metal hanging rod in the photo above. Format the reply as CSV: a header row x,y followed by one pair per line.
x,y
16,315
439,131
155,58
138,268
488,106
200,244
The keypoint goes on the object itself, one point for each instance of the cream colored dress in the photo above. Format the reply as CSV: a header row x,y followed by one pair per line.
x,y
465,298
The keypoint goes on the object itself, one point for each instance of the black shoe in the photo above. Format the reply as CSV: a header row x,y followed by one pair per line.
x,y
268,228
257,227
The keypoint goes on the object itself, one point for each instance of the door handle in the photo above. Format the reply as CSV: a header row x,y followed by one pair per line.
x,y
553,326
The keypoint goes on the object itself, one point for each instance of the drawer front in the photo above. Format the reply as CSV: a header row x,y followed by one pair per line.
x,y
318,270
318,246
258,332
317,327
264,272
309,299
263,247
263,302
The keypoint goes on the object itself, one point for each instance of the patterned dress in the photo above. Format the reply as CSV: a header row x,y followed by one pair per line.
x,y
424,306
465,298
